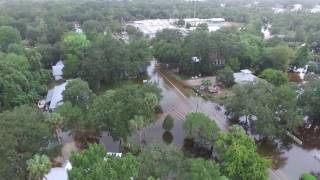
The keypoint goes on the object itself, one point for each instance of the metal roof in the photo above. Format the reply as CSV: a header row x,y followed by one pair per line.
x,y
57,70
56,95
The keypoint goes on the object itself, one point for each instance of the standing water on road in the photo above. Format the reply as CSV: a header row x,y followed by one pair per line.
x,y
290,160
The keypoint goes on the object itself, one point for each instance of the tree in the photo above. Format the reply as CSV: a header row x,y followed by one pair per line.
x,y
137,124
94,164
38,166
19,61
272,111
201,128
274,77
234,64
92,28
165,160
239,157
74,43
16,49
166,46
55,120
115,108
200,169
18,85
302,57
168,123
23,132
109,60
225,76
309,102
73,46
8,35
78,93
277,57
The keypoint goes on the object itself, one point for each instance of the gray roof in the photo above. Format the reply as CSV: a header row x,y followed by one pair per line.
x,y
49,95
244,76
56,95
57,70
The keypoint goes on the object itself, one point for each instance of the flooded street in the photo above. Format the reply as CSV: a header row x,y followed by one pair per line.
x,y
290,159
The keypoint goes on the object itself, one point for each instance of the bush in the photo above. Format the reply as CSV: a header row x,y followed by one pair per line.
x,y
168,123
274,77
225,76
308,176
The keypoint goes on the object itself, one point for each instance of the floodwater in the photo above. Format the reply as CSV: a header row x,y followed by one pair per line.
x,y
290,160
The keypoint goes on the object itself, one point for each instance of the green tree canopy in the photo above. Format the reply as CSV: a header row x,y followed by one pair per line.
x,y
225,76
8,35
201,128
309,102
115,108
74,43
239,157
38,166
78,93
94,164
168,123
23,133
274,77
271,110
165,160
277,57
200,169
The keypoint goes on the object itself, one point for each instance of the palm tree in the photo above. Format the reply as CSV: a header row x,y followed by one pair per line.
x,y
38,167
55,120
137,124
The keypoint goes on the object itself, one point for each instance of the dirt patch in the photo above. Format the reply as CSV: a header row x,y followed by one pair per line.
x,y
198,81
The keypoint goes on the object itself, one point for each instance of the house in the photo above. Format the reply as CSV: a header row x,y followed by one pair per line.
x,y
54,97
301,71
59,173
57,70
244,76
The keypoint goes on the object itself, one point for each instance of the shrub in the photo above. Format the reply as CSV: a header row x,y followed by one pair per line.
x,y
168,123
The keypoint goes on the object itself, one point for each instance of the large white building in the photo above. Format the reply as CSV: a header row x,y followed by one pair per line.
x,y
151,26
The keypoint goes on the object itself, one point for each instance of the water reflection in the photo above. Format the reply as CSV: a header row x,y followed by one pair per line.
x,y
167,137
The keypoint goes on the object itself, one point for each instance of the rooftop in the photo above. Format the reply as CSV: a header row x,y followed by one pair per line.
x,y
54,96
244,76
57,70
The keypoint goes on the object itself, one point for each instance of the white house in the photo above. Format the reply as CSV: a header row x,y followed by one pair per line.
x,y
57,70
59,173
54,97
244,76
